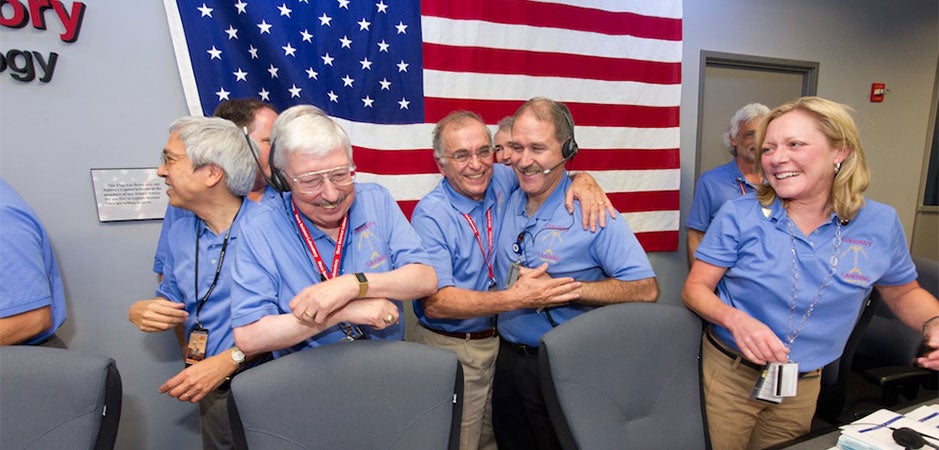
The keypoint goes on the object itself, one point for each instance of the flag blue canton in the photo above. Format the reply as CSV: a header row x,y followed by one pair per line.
x,y
360,61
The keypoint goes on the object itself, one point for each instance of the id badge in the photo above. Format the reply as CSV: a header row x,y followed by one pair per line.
x,y
766,384
195,350
512,275
788,380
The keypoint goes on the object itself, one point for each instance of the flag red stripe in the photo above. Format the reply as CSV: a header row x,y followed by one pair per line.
x,y
627,202
589,114
545,64
557,16
658,241
404,162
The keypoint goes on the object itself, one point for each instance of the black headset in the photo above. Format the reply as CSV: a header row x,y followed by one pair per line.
x,y
569,148
277,180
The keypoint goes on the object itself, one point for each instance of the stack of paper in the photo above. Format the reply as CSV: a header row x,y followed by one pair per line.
x,y
875,432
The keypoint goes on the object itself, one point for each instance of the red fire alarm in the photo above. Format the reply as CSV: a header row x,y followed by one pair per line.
x,y
877,92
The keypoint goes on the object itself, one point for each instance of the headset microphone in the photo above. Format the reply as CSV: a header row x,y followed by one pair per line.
x,y
547,171
569,148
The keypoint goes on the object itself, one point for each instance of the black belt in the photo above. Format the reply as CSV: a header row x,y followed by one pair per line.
x,y
522,349
734,356
485,334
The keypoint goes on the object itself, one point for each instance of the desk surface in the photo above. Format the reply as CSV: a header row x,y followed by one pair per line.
x,y
830,439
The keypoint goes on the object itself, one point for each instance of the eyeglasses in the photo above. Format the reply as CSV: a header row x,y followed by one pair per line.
x,y
313,182
463,156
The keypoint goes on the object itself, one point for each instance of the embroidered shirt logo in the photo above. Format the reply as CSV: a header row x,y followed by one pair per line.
x,y
857,248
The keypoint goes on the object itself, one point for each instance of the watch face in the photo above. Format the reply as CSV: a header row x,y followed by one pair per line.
x,y
361,277
237,355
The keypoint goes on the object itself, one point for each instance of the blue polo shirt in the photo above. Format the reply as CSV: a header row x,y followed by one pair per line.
x,y
172,213
272,263
713,188
755,246
452,246
179,273
552,235
29,272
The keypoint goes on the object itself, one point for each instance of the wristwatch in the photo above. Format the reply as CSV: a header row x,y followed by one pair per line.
x,y
363,284
237,356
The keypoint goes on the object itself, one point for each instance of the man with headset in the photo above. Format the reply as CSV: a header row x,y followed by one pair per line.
x,y
608,266
209,169
731,180
333,261
458,222
258,117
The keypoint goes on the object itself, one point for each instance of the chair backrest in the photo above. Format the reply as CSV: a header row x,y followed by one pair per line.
x,y
363,394
887,340
625,376
57,398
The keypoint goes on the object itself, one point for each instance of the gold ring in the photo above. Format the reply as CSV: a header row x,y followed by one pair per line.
x,y
601,202
308,314
390,319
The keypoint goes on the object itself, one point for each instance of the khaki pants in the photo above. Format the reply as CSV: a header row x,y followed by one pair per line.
x,y
734,421
478,358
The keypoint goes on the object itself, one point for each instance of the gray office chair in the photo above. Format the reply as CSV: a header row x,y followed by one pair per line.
x,y
625,376
57,398
886,351
362,394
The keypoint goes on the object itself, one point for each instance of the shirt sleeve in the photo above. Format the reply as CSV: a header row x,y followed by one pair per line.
x,y
720,243
699,216
434,242
24,282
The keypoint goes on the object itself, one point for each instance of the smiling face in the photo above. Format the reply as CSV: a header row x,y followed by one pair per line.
x,y
470,178
183,183
798,159
745,141
501,145
535,148
261,134
327,207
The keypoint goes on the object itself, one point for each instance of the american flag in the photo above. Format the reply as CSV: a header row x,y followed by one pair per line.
x,y
387,70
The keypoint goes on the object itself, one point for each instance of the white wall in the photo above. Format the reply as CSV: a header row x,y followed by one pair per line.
x,y
116,90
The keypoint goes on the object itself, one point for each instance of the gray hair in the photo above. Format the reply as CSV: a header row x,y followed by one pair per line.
x,y
506,124
456,118
217,141
745,114
306,129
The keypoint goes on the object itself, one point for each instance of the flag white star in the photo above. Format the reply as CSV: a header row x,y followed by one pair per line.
x,y
385,84
382,7
310,73
294,91
364,24
404,103
366,64
284,10
383,46
324,19
273,71
368,101
327,60
232,32
402,66
265,27
241,6
214,53
345,42
307,37
265,95
222,94
241,75
253,51
344,4
205,10
289,50
333,97
402,28
346,81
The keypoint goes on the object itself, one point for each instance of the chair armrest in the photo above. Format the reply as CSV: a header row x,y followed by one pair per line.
x,y
887,375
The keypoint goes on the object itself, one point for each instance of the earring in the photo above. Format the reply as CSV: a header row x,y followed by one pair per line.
x,y
837,168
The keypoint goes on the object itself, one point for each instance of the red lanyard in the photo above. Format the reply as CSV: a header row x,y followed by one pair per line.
x,y
479,240
340,242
